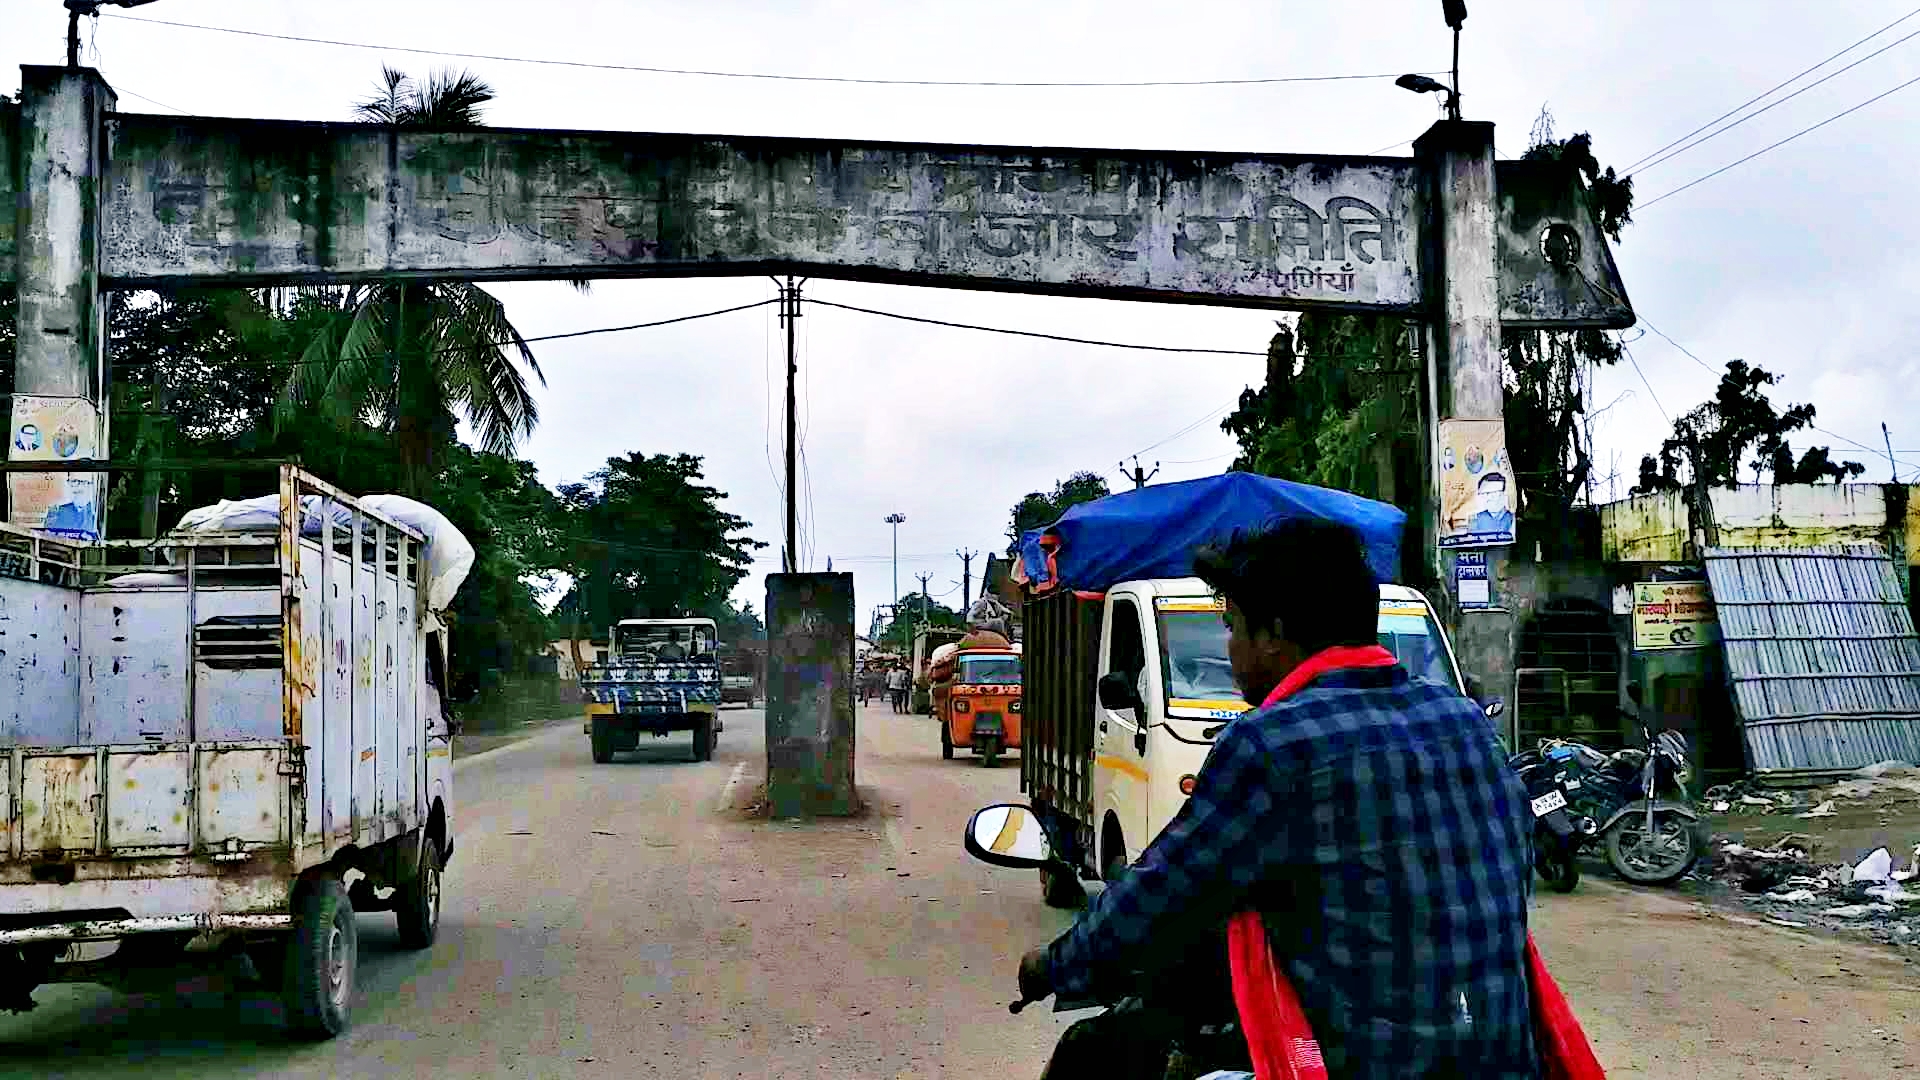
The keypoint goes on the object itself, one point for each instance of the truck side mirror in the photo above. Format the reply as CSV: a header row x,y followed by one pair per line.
x,y
1476,689
1116,692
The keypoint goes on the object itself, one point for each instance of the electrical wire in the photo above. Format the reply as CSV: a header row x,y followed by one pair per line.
x,y
1629,169
1774,146
119,88
1664,414
1185,430
1033,333
1029,84
1757,112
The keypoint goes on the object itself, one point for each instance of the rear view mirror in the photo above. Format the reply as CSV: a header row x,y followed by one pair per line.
x,y
1494,708
1116,691
1008,834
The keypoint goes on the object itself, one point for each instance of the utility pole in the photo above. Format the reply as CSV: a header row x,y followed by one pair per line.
x,y
1139,476
966,579
1892,465
926,601
790,318
77,8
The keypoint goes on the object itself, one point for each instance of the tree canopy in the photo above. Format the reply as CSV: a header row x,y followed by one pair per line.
x,y
1739,428
1039,509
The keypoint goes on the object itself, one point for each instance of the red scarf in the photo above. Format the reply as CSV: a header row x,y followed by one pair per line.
x,y
1279,1038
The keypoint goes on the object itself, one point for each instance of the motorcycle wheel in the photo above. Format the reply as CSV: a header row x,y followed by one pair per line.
x,y
1561,870
1661,859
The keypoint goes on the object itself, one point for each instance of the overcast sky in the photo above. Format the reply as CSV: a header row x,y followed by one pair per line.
x,y
1799,261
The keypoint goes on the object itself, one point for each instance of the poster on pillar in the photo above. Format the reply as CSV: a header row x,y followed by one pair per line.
x,y
1477,494
54,429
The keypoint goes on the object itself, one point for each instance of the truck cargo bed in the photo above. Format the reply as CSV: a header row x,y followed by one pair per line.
x,y
1060,667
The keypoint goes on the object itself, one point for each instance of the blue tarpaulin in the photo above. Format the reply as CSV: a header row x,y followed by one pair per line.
x,y
1153,532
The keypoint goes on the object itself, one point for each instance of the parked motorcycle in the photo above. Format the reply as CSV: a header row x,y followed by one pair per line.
x,y
1559,834
1648,827
1192,1037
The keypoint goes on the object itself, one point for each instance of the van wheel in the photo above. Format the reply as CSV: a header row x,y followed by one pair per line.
x,y
322,953
703,740
946,742
417,907
602,741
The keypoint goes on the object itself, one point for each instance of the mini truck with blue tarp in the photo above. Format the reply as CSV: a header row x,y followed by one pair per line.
x,y
1125,670
661,676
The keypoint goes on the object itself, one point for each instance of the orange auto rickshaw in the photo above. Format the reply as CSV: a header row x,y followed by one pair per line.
x,y
978,701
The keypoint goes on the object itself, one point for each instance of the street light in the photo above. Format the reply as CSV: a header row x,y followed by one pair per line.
x,y
895,520
1420,84
1455,13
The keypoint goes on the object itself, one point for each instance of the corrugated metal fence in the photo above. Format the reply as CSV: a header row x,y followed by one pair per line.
x,y
1822,655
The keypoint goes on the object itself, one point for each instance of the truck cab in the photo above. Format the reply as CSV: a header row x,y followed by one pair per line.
x,y
1165,689
661,676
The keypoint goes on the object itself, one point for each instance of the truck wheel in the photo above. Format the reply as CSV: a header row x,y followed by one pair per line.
x,y
703,740
417,906
946,742
602,742
1060,888
321,956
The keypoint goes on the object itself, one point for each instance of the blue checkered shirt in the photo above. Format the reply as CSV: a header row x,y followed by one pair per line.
x,y
1372,820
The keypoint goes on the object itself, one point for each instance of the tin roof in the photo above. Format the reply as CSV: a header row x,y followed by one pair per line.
x,y
1821,653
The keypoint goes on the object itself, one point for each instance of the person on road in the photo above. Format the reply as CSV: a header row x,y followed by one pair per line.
x,y
897,688
1367,816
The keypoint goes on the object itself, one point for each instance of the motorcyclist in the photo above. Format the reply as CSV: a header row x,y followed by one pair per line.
x,y
1369,818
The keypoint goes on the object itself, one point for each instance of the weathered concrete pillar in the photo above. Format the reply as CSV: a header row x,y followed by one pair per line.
x,y
810,696
1470,443
60,371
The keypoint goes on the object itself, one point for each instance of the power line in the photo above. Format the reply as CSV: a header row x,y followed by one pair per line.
x,y
1664,414
1757,112
760,75
1185,430
1034,333
502,342
1777,86
1782,142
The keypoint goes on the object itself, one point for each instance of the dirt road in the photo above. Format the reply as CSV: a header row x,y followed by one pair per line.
x,y
628,920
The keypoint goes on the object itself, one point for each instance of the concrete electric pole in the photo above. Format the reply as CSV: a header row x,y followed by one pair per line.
x,y
1139,476
966,579
790,318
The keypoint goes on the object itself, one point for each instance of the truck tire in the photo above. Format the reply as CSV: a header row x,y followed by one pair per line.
x,y
703,739
602,741
946,742
416,903
322,953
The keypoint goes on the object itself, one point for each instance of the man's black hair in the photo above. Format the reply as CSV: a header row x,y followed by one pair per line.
x,y
1493,476
1305,579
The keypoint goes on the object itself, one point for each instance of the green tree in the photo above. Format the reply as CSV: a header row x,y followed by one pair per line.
x,y
1037,510
1713,440
643,538
412,358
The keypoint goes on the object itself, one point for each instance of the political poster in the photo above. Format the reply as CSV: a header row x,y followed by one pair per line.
x,y
1478,495
54,429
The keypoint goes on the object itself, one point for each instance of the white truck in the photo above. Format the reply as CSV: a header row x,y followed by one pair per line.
x,y
1127,681
219,761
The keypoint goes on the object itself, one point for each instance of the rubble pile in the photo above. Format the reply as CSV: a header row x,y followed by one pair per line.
x,y
1789,881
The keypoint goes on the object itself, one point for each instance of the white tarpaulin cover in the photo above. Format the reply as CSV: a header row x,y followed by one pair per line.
x,y
449,555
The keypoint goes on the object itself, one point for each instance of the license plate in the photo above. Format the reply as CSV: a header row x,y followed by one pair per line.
x,y
1548,803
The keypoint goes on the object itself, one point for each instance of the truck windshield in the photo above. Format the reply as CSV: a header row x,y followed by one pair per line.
x,y
1196,649
1196,667
989,670
1407,631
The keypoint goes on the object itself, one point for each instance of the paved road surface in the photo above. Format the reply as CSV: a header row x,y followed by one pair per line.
x,y
627,920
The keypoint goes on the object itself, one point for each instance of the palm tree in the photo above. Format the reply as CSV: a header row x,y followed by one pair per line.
x,y
412,358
